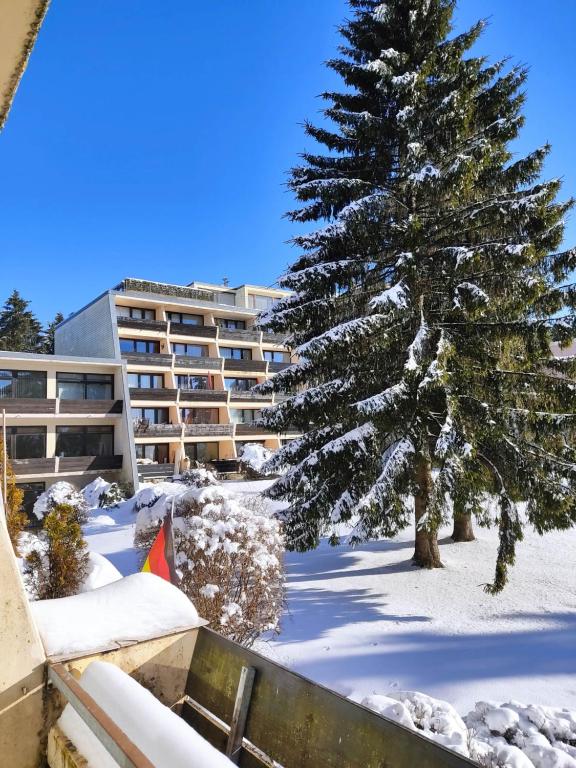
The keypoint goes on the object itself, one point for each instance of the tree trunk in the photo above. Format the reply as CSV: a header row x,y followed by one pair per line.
x,y
463,529
426,552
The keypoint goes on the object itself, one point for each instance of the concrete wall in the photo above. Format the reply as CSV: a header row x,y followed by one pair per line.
x,y
21,667
89,333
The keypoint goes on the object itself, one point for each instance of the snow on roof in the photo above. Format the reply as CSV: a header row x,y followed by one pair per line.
x,y
139,607
160,734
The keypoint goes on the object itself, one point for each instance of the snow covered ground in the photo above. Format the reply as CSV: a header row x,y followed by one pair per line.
x,y
364,621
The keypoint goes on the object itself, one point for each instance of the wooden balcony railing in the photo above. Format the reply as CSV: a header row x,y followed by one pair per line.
x,y
147,358
153,394
92,407
252,366
143,428
199,363
240,335
198,331
88,463
208,430
34,466
28,405
143,325
203,395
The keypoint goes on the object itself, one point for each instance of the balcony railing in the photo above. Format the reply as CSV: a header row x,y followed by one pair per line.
x,y
253,366
165,289
143,325
203,395
240,335
88,463
208,430
199,331
251,429
91,407
34,466
145,393
199,363
274,338
147,358
238,395
275,367
143,428
28,405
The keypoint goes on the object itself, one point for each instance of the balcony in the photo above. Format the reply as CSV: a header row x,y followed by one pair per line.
x,y
208,430
147,358
143,325
251,366
279,339
199,363
88,463
153,394
275,367
203,396
91,407
34,466
155,471
28,406
199,331
164,289
252,429
144,428
240,395
240,336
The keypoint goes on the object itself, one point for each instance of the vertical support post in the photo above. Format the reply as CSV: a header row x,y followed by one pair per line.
x,y
5,459
241,705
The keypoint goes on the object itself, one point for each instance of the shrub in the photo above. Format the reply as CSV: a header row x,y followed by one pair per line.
x,y
58,565
116,494
58,494
16,518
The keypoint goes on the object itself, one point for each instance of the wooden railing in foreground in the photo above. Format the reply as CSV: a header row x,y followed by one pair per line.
x,y
124,751
292,721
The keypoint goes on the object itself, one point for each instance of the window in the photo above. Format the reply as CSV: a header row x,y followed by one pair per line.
x,y
202,452
139,345
26,442
226,298
184,318
231,325
152,415
136,313
244,415
200,415
22,384
261,302
85,441
85,386
31,493
193,382
239,385
275,357
236,353
190,350
155,453
146,380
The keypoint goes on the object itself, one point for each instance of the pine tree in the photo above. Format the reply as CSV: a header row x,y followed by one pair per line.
x,y
48,338
422,310
20,330
16,518
59,565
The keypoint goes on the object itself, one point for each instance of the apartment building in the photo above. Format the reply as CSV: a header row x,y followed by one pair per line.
x,y
192,356
64,419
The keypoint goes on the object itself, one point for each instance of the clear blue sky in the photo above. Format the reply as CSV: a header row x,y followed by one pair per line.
x,y
152,139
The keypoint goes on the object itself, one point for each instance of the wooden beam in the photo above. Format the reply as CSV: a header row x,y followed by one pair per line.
x,y
240,715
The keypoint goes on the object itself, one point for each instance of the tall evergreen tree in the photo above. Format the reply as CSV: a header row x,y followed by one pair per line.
x,y
20,330
48,339
421,311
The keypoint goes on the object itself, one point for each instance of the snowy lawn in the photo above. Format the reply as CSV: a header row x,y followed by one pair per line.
x,y
364,621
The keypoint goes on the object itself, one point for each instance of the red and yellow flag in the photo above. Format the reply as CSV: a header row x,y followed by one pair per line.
x,y
160,560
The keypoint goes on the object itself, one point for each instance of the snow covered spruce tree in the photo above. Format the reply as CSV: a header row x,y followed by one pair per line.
x,y
422,309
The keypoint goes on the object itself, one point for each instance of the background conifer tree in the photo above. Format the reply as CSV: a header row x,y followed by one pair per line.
x,y
48,341
20,330
422,310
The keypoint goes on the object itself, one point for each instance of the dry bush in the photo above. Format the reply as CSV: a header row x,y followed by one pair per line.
x,y
58,565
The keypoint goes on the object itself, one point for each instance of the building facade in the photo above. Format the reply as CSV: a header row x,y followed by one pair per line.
x,y
64,419
192,356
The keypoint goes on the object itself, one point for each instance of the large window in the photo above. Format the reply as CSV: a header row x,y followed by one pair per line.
x,y
244,415
230,324
139,345
136,313
235,384
151,415
226,298
202,452
200,415
146,380
184,318
190,350
193,382
156,453
22,384
261,302
31,493
85,441
236,353
26,442
276,357
85,386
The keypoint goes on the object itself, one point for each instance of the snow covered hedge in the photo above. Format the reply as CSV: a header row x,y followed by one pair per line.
x,y
229,555
61,493
253,458
510,735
